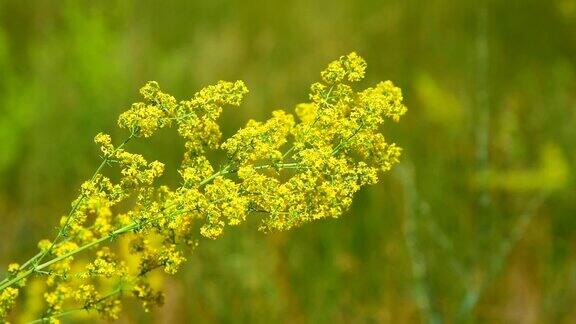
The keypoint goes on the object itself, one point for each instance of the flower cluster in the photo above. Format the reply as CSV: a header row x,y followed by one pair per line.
x,y
7,299
288,170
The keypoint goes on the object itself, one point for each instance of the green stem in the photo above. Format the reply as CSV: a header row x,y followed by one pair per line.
x,y
46,264
213,176
35,260
77,204
61,314
292,165
345,142
310,125
38,267
71,311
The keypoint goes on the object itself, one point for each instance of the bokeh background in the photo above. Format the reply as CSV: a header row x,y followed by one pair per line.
x,y
477,224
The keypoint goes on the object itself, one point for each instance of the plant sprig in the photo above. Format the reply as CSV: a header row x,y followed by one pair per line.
x,y
333,148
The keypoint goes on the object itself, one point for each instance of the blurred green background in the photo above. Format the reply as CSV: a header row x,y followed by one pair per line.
x,y
477,224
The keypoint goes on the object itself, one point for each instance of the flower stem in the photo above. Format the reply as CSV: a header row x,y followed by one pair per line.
x,y
74,310
132,226
77,204
46,264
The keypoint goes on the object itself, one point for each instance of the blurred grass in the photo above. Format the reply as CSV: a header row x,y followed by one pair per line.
x,y
421,246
